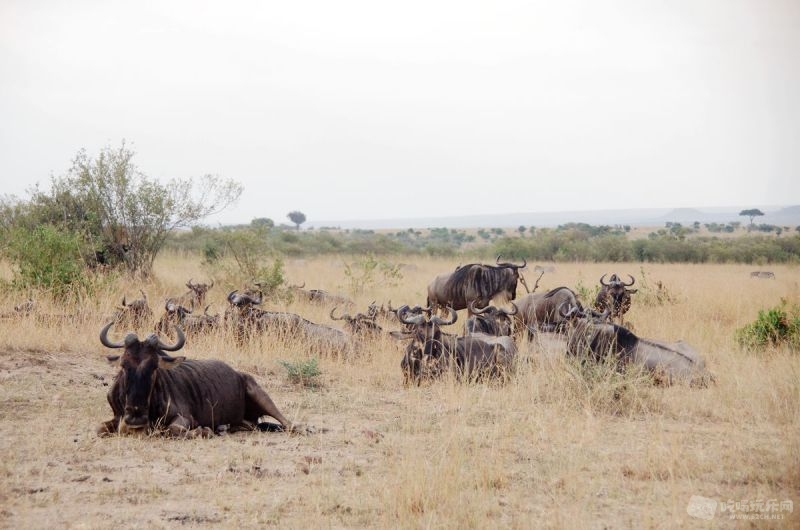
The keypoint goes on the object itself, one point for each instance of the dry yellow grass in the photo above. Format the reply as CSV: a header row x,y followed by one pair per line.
x,y
547,449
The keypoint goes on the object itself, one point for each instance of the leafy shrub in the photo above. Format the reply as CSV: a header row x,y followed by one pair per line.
x,y
652,295
773,327
302,372
362,274
48,258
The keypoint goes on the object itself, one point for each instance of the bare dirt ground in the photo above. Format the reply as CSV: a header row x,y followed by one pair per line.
x,y
547,449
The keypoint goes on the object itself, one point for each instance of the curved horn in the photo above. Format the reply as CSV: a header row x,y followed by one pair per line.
x,y
512,265
571,310
604,284
446,322
474,310
104,337
414,321
344,316
231,296
189,284
629,284
511,313
178,344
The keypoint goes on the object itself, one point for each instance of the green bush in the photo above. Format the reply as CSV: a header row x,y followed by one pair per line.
x,y
302,372
773,327
49,259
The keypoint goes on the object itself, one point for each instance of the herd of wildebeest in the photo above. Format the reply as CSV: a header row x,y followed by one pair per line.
x,y
155,391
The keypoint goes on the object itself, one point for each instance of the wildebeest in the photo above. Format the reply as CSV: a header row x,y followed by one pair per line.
x,y
319,296
178,315
762,274
246,319
475,282
669,362
359,324
136,313
490,320
432,352
195,296
540,311
615,296
154,391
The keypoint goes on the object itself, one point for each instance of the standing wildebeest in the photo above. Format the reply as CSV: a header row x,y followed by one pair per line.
x,y
490,320
196,296
432,352
669,362
475,282
191,398
540,311
615,296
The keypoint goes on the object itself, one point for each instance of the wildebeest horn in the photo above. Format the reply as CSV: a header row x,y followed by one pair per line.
x,y
416,320
123,301
629,284
344,316
178,344
108,344
511,265
446,322
601,280
474,310
571,310
511,313
189,283
231,296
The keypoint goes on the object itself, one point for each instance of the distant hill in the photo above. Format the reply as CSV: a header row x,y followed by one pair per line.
x,y
775,215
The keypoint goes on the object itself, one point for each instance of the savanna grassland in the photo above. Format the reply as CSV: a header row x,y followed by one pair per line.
x,y
554,447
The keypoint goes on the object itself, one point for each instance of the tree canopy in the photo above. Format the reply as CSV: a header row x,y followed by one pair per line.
x,y
297,218
752,213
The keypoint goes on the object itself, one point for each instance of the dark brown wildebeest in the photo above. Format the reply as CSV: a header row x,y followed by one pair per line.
x,y
490,320
136,313
475,282
432,352
615,296
154,391
669,362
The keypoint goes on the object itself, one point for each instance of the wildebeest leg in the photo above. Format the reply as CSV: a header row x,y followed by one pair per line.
x,y
181,427
109,427
260,404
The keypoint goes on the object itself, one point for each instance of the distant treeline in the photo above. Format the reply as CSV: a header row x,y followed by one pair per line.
x,y
570,242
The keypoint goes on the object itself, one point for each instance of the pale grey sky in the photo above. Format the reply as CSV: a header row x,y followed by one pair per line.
x,y
368,109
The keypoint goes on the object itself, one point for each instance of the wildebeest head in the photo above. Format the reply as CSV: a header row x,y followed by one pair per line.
x,y
247,298
198,291
615,295
517,275
139,365
490,319
427,333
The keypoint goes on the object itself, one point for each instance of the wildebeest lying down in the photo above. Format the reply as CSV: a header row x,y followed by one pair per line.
x,y
669,362
154,391
432,352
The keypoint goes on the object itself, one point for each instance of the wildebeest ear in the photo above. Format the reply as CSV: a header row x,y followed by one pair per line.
x,y
167,362
401,335
113,360
633,290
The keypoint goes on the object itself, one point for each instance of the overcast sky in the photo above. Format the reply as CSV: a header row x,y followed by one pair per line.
x,y
371,109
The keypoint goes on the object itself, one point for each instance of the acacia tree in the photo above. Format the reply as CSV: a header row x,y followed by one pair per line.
x,y
752,213
117,207
297,218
